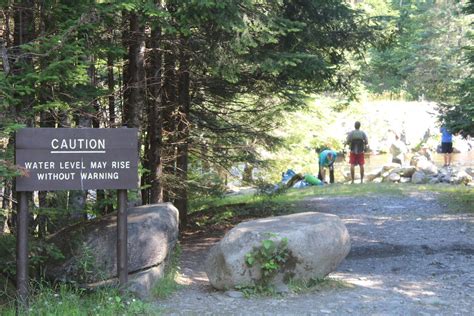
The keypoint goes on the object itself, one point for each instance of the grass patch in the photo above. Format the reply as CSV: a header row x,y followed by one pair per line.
x,y
229,211
68,300
206,203
456,198
292,195
166,286
341,190
316,285
257,291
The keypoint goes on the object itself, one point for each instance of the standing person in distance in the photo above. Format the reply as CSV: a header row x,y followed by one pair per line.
x,y
357,141
326,160
446,145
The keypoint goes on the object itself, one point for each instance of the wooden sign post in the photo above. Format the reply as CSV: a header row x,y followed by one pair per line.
x,y
55,159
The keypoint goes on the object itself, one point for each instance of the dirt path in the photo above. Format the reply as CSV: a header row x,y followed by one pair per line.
x,y
408,257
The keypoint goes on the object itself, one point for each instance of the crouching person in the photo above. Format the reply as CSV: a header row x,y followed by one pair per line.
x,y
326,161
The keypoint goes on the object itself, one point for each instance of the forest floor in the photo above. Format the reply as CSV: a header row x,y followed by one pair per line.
x,y
409,256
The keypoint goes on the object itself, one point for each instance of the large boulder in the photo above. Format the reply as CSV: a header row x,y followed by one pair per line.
x,y
90,248
317,243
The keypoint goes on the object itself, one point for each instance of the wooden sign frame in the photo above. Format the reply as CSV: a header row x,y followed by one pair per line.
x,y
54,159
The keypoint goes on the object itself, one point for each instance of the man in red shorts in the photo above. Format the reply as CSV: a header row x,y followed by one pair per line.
x,y
357,140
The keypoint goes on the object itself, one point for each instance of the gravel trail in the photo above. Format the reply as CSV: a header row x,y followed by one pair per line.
x,y
409,256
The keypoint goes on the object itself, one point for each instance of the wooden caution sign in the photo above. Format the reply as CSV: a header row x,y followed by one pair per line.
x,y
54,159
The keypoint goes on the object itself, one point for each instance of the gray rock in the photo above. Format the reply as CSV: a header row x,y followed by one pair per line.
x,y
416,159
407,171
317,243
398,149
90,248
141,283
419,177
372,175
460,177
427,167
282,288
405,179
390,166
377,180
234,294
393,177
470,171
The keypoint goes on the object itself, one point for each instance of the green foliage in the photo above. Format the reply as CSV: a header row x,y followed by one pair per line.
x,y
269,190
7,255
302,132
425,59
208,184
256,290
39,252
269,258
168,285
85,268
7,129
458,115
68,300
227,212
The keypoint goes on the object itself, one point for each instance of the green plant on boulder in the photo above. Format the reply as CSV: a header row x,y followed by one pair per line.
x,y
86,268
269,257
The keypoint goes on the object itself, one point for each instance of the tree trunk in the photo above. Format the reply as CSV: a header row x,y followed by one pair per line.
x,y
247,176
6,205
155,118
24,32
134,76
111,89
134,104
181,201
168,112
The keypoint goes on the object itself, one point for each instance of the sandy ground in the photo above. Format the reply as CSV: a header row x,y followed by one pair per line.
x,y
409,256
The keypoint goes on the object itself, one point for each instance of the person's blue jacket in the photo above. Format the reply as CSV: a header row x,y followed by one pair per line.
x,y
324,159
446,136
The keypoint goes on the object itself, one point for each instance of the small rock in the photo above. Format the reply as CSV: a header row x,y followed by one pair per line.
x,y
282,288
187,271
234,294
433,301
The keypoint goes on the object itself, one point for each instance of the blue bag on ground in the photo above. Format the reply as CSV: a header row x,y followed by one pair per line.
x,y
300,184
286,176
